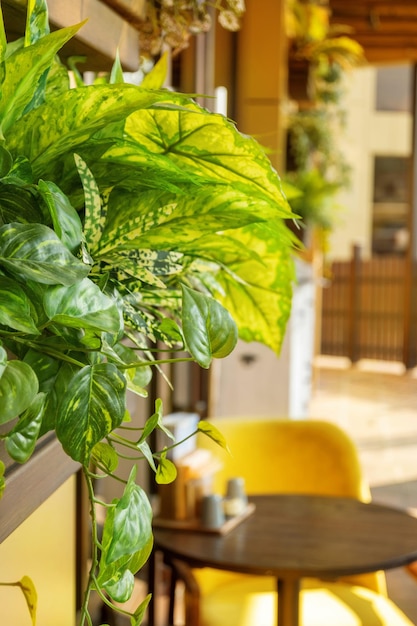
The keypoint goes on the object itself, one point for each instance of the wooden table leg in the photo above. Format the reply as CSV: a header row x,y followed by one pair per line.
x,y
288,602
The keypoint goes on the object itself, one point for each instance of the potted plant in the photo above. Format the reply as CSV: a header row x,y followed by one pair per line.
x,y
129,216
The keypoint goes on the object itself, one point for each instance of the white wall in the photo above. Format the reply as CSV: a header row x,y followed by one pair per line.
x,y
43,548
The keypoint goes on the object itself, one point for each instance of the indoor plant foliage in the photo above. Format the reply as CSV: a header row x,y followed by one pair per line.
x,y
128,216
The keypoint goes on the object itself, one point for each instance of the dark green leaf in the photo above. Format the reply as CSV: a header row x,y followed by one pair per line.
x,y
18,388
6,161
132,523
65,219
132,562
208,328
83,305
21,441
93,405
35,252
15,310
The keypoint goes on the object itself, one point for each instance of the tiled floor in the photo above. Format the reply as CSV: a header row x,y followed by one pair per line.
x,y
376,403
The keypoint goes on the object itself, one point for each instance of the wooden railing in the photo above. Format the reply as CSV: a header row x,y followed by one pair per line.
x,y
369,310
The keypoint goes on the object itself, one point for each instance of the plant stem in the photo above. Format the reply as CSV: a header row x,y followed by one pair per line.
x,y
85,617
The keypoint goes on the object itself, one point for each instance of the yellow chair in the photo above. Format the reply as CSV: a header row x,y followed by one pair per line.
x,y
294,456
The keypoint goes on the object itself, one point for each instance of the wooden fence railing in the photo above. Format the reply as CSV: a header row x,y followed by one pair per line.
x,y
369,310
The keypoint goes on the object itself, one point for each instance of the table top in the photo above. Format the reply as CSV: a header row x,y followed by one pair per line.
x,y
301,535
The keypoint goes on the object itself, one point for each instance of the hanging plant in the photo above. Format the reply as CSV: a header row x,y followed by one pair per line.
x,y
130,218
173,22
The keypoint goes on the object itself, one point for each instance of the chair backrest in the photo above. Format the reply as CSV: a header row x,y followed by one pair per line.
x,y
291,456
281,455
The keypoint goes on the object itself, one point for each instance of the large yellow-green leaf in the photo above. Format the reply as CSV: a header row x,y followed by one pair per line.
x,y
23,70
62,124
210,146
92,405
260,302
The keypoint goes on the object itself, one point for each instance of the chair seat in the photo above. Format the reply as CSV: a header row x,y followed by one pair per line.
x,y
252,601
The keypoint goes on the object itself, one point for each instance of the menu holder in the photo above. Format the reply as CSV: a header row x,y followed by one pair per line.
x,y
195,524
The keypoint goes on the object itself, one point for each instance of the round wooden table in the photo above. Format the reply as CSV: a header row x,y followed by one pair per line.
x,y
296,536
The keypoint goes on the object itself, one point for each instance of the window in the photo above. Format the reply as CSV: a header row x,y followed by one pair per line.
x,y
394,88
391,205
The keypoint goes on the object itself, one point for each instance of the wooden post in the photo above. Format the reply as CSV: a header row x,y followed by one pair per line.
x,y
410,297
354,304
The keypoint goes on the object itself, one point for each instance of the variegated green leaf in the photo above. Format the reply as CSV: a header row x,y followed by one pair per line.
x,y
209,146
132,522
208,327
61,125
24,69
15,310
95,213
37,23
93,405
111,572
83,305
21,441
18,204
65,219
18,388
120,590
260,302
159,220
35,252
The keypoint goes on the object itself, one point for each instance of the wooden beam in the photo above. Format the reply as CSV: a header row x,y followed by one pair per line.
x,y
98,40
28,485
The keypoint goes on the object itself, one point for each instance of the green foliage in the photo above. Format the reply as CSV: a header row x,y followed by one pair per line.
x,y
128,215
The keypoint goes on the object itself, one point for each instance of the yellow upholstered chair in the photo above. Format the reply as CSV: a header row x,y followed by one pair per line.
x,y
294,456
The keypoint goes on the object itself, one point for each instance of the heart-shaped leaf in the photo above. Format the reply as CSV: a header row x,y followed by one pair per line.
x,y
93,405
209,329
83,305
21,441
132,522
35,252
15,310
18,388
